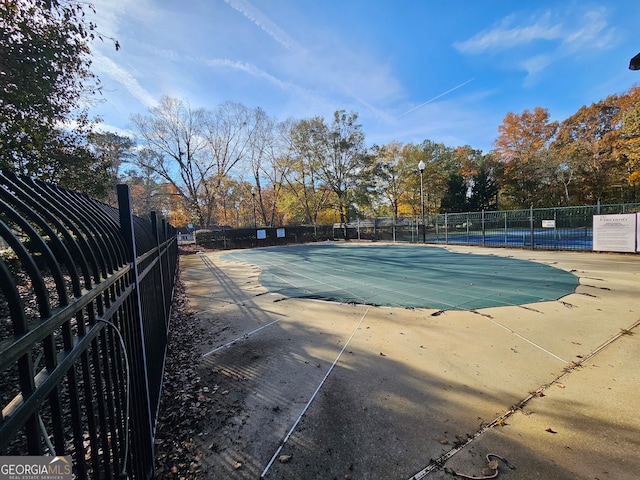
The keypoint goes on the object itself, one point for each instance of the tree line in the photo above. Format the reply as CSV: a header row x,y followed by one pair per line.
x,y
233,165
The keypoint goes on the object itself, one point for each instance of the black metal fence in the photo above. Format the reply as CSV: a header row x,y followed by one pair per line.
x,y
561,228
86,293
262,236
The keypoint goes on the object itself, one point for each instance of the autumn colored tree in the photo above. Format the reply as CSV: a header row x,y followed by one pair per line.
x,y
628,149
410,203
520,146
440,162
588,139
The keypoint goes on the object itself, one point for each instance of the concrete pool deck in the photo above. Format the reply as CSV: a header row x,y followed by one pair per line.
x,y
314,389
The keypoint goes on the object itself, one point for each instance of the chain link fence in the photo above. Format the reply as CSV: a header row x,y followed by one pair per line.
x,y
559,228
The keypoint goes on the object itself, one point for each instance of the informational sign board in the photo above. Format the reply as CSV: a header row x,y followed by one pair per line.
x,y
548,224
280,233
262,234
615,233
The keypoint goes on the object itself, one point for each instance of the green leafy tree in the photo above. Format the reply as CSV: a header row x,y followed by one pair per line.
x,y
343,159
440,162
388,176
307,195
44,76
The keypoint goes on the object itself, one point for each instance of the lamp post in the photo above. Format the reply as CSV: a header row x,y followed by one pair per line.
x,y
421,168
253,194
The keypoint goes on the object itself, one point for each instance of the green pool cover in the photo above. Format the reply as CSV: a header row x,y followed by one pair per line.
x,y
405,276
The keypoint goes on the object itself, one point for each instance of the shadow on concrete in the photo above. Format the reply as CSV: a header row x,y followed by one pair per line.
x,y
378,414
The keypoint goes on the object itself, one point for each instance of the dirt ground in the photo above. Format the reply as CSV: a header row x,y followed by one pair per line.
x,y
288,388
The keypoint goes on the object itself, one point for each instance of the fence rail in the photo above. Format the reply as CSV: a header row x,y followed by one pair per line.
x,y
561,228
86,293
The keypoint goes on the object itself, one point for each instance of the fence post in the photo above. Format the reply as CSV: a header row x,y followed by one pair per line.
x,y
555,228
446,229
531,225
483,229
159,240
142,431
467,227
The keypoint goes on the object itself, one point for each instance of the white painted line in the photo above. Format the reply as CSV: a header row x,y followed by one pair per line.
x,y
529,341
306,407
244,335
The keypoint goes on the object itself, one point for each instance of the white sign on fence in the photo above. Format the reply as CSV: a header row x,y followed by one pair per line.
x,y
615,233
548,224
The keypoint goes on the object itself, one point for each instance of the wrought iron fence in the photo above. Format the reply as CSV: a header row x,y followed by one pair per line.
x,y
561,228
86,293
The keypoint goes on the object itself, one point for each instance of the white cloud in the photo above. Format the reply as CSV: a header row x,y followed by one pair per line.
x,y
576,31
536,63
116,72
502,37
259,73
562,36
262,21
593,33
110,13
329,65
123,132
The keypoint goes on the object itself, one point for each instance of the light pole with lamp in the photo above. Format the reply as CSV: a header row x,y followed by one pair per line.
x,y
421,168
253,194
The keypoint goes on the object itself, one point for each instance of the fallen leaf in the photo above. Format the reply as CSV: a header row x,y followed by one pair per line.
x,y
550,430
237,465
488,471
284,458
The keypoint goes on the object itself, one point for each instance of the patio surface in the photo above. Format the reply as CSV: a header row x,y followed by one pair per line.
x,y
309,389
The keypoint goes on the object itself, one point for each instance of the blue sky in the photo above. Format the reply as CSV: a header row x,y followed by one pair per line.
x,y
447,71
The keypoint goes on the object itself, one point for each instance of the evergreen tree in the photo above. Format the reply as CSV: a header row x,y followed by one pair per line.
x,y
455,195
484,191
